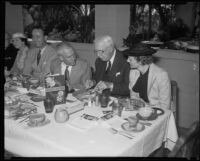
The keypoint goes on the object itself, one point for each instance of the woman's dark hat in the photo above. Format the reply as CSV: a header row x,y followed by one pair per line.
x,y
140,49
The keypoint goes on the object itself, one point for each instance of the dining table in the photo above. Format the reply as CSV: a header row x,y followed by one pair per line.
x,y
83,137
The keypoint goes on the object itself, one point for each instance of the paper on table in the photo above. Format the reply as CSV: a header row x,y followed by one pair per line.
x,y
82,124
116,122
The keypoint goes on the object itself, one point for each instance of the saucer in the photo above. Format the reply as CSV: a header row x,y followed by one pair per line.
x,y
45,122
138,128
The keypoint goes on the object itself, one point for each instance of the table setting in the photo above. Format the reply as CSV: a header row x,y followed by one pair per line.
x,y
83,114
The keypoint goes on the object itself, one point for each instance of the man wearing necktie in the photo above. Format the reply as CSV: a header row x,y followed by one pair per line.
x,y
40,56
76,70
112,69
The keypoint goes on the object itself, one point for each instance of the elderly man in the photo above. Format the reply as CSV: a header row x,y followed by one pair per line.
x,y
40,56
112,69
76,70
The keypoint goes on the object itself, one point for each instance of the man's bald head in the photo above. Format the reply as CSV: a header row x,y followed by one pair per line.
x,y
104,47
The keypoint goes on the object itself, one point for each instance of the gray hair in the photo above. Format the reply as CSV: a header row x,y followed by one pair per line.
x,y
66,46
106,40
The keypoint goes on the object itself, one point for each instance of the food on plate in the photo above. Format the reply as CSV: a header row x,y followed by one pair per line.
x,y
10,101
145,112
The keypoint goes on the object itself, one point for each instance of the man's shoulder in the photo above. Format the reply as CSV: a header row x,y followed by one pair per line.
x,y
81,62
50,49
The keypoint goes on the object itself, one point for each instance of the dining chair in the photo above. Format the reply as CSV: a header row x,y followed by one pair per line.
x,y
187,145
173,106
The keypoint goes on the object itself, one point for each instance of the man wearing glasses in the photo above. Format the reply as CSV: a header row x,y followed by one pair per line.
x,y
112,69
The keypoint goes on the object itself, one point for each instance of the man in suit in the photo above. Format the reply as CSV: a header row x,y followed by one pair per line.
x,y
112,69
76,70
40,56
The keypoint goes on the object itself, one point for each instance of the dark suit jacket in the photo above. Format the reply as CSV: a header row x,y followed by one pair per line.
x,y
118,75
79,73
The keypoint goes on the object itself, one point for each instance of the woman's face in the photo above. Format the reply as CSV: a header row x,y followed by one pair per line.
x,y
17,42
133,62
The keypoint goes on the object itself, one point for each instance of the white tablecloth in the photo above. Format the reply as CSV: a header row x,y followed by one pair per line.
x,y
64,139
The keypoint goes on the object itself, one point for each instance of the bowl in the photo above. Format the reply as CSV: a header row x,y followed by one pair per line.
x,y
37,118
145,112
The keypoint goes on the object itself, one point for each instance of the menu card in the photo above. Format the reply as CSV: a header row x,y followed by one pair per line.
x,y
55,88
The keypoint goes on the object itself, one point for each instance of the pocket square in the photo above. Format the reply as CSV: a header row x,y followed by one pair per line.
x,y
117,74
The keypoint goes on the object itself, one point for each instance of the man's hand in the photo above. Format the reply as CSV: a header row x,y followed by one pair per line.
x,y
103,85
89,83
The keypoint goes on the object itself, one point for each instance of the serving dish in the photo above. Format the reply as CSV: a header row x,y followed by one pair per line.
x,y
156,112
145,112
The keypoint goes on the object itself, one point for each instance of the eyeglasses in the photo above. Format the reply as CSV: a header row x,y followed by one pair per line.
x,y
99,51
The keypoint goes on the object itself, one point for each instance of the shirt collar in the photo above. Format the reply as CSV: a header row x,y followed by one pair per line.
x,y
113,57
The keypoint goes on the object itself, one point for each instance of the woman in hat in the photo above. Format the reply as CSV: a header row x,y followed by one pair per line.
x,y
20,42
147,81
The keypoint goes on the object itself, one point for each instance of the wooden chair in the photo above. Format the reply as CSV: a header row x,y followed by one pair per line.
x,y
173,107
187,145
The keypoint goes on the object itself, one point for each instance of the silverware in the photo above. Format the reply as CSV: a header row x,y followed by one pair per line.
x,y
123,133
24,119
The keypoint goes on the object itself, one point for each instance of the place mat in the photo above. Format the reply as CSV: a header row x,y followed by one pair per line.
x,y
45,122
138,128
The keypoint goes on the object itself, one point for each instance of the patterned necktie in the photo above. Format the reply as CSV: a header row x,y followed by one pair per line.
x,y
66,73
108,67
38,57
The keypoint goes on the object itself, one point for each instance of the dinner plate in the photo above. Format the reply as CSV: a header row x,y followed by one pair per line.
x,y
138,128
37,98
45,122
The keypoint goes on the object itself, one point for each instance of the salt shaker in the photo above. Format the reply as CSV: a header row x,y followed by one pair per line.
x,y
96,99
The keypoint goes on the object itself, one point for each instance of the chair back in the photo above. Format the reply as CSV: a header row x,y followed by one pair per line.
x,y
187,145
173,107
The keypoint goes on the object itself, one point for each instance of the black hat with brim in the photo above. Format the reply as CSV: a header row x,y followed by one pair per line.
x,y
140,49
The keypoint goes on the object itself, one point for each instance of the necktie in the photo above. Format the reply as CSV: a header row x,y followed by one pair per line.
x,y
108,67
38,57
66,73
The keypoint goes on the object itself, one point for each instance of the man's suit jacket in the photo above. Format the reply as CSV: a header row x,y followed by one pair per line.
x,y
158,87
43,68
118,75
79,73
